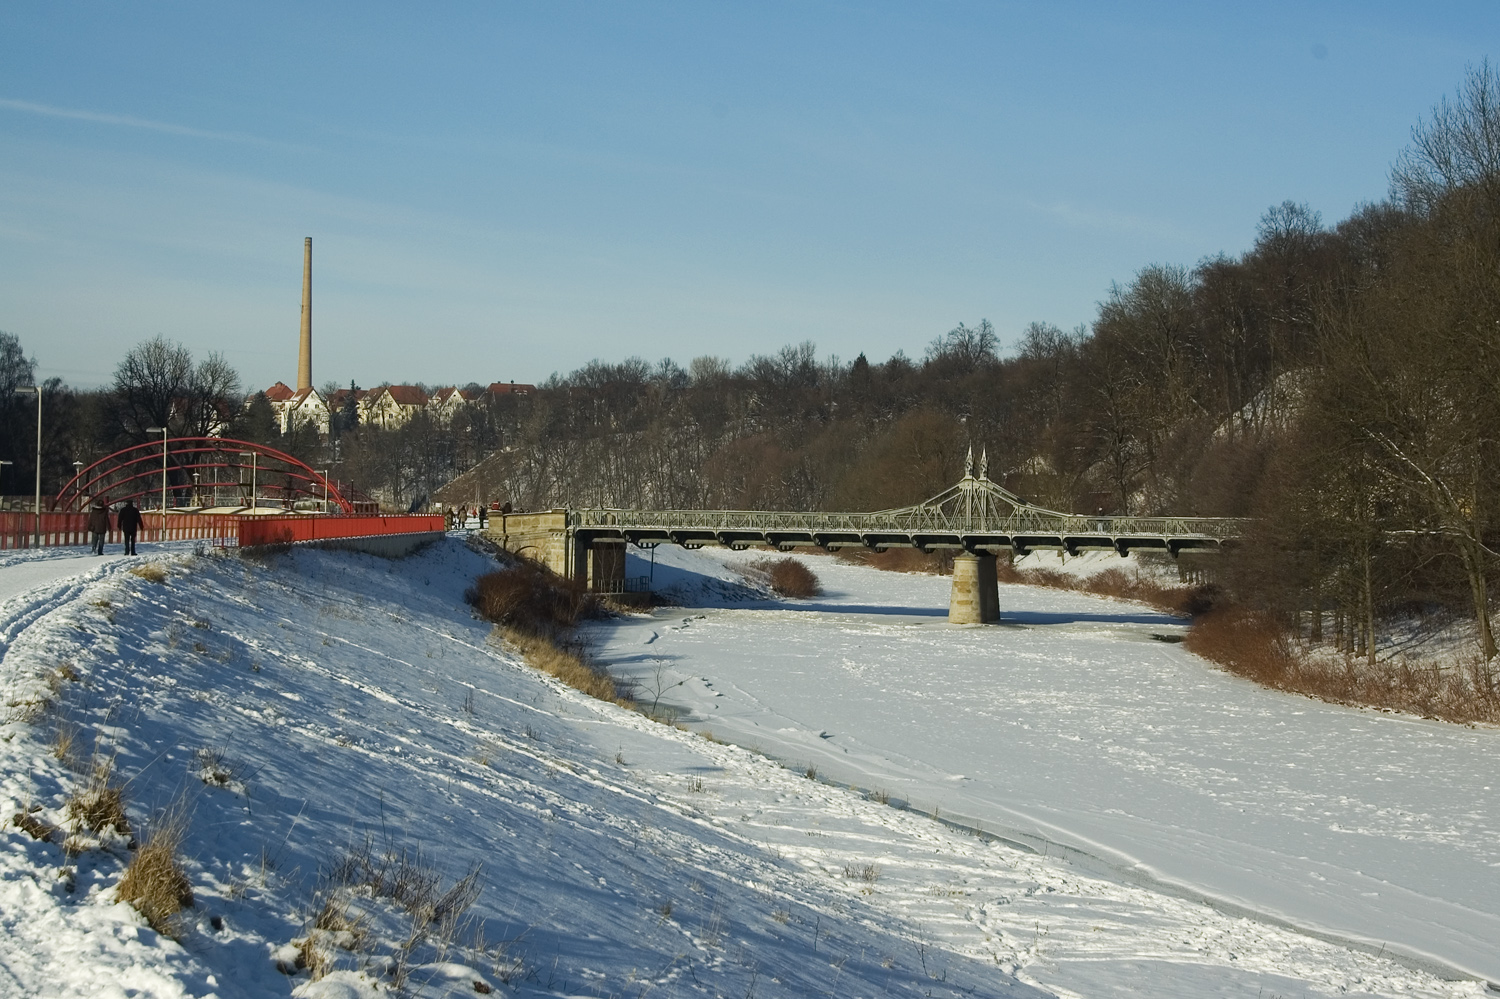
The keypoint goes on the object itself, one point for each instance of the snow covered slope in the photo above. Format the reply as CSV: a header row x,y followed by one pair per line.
x,y
321,710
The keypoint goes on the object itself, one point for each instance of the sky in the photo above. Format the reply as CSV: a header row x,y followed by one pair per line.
x,y
498,191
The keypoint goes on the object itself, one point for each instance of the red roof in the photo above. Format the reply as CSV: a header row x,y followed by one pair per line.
x,y
510,388
407,395
337,400
280,392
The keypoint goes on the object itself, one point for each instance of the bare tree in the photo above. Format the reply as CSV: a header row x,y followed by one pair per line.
x,y
1457,148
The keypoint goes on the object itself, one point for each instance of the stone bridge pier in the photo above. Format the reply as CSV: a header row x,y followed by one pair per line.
x,y
975,597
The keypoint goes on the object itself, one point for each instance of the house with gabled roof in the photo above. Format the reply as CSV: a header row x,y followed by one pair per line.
x,y
447,403
392,405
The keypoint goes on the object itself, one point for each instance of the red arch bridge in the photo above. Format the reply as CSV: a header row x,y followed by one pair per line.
x,y
217,488
200,474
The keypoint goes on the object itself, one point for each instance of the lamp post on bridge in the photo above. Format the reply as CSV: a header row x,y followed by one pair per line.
x,y
36,541
253,455
163,432
324,473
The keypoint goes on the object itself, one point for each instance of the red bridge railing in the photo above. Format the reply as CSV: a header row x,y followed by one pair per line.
x,y
17,530
292,529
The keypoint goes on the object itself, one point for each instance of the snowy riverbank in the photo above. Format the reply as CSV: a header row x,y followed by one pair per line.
x,y
339,697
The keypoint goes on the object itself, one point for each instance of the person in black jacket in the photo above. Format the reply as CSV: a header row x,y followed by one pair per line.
x,y
129,520
98,525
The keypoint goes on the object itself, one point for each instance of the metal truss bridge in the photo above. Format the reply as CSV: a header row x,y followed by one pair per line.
x,y
975,516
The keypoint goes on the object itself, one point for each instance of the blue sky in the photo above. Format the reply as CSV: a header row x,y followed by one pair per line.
x,y
497,191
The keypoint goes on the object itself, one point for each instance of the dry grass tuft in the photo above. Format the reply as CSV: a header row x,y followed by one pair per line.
x,y
152,572
63,738
566,664
881,797
868,873
789,577
33,826
100,804
155,882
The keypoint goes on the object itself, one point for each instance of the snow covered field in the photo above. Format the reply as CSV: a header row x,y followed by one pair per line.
x,y
304,706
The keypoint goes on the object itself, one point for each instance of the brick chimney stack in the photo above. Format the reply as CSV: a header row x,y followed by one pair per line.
x,y
304,355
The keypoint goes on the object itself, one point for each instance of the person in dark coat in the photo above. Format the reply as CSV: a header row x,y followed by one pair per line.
x,y
98,526
129,520
484,516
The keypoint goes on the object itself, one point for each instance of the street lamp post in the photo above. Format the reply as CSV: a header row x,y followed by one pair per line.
x,y
163,432
36,541
254,457
325,488
77,471
197,495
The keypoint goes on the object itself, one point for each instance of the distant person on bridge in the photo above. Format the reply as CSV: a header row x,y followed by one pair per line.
x,y
129,520
484,516
98,525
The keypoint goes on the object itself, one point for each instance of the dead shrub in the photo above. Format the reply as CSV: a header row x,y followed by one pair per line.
x,y
789,577
531,599
868,873
1190,601
155,882
1245,643
1259,647
152,572
900,560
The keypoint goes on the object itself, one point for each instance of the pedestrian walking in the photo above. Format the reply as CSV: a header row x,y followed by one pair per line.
x,y
98,525
129,521
484,516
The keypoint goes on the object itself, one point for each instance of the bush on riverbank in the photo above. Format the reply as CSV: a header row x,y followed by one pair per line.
x,y
530,599
791,578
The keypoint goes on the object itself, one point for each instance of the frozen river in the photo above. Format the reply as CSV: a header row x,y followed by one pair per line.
x,y
1069,725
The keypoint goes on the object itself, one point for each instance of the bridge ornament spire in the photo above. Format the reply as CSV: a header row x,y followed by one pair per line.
x,y
984,464
969,463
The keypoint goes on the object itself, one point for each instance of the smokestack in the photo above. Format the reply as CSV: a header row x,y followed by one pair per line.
x,y
304,356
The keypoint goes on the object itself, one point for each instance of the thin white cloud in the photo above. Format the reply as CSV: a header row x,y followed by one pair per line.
x,y
125,121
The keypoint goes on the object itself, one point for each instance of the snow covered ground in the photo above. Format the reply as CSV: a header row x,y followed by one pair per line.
x,y
1071,724
310,704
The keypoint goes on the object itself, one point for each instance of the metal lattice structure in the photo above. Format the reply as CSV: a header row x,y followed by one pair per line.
x,y
201,472
976,515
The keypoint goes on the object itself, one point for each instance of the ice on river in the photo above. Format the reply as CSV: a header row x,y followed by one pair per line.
x,y
1070,724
